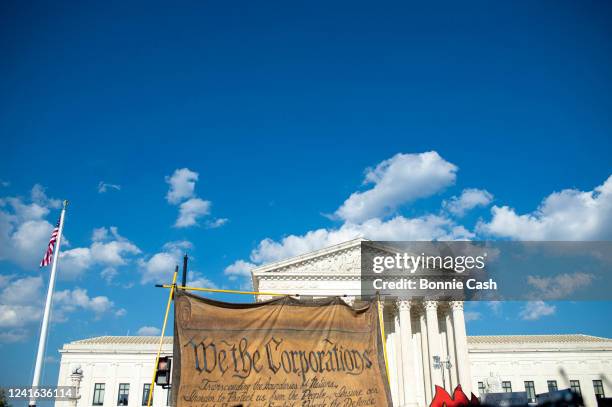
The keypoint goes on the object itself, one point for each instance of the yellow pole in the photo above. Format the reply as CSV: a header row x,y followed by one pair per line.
x,y
161,339
381,322
219,290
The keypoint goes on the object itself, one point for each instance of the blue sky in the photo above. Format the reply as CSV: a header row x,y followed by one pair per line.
x,y
283,111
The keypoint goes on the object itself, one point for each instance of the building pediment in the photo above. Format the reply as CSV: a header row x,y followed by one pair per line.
x,y
338,262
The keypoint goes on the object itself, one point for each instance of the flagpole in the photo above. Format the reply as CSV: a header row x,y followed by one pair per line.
x,y
45,322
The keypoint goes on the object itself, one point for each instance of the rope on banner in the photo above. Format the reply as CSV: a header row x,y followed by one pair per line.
x,y
219,290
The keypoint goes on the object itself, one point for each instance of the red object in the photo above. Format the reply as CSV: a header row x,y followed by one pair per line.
x,y
459,399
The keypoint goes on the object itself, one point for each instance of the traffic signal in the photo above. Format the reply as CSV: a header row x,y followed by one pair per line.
x,y
162,377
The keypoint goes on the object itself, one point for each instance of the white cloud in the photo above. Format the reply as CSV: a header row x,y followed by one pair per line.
x,y
190,211
567,215
429,227
74,262
26,212
398,180
22,300
99,234
13,335
559,286
472,315
217,223
469,199
4,183
182,185
67,301
109,274
495,307
27,244
160,267
191,208
148,331
18,315
534,310
196,279
39,197
113,252
24,233
22,291
108,249
239,269
104,187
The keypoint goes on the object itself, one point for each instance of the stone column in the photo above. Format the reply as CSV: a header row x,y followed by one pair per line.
x,y
399,370
450,340
408,364
425,357
461,347
433,340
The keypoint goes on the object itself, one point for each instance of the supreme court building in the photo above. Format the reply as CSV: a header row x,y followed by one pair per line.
x,y
427,345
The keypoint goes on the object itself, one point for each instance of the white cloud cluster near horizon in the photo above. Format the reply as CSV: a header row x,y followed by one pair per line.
x,y
24,234
371,214
181,192
67,301
373,211
555,219
148,331
567,215
21,306
570,214
560,286
534,310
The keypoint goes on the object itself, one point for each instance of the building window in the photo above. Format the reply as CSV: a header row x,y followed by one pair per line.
x,y
507,387
599,390
575,386
481,388
122,397
530,390
98,398
169,397
552,385
145,394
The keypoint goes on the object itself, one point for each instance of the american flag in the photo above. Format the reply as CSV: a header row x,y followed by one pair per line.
x,y
49,253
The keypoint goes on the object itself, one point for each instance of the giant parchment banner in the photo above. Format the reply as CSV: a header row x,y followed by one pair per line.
x,y
282,352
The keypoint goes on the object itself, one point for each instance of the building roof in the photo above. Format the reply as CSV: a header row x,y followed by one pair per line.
x,y
493,339
123,340
514,339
